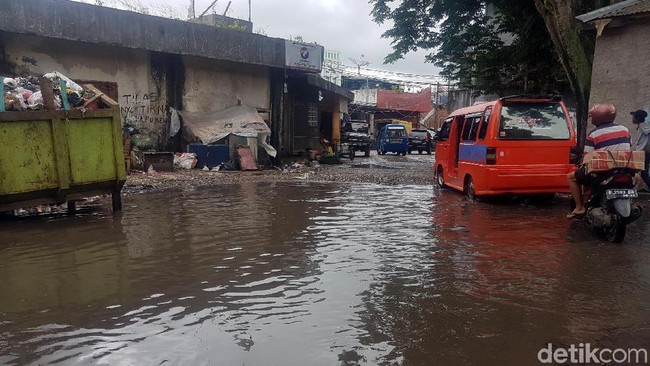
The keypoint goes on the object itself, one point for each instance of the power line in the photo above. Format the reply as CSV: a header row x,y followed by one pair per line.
x,y
403,82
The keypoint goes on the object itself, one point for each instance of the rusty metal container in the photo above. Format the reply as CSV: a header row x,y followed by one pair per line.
x,y
52,157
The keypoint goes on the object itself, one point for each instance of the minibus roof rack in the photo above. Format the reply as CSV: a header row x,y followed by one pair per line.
x,y
532,96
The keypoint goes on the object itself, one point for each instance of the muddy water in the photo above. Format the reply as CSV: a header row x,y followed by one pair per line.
x,y
314,274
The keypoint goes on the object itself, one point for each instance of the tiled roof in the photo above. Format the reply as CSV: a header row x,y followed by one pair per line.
x,y
624,8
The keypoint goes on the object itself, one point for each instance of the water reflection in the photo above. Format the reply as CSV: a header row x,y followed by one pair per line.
x,y
318,274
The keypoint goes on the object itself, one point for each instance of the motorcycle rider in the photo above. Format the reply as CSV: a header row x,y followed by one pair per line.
x,y
607,135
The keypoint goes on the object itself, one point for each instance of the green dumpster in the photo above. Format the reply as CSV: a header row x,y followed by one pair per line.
x,y
53,157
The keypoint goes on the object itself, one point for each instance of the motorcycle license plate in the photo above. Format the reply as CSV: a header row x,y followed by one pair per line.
x,y
621,193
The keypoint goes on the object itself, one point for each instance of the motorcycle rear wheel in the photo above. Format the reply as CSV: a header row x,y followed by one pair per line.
x,y
616,233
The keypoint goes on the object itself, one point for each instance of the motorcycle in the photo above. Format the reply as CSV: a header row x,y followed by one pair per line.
x,y
609,203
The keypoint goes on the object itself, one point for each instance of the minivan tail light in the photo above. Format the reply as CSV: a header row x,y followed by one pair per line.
x,y
491,156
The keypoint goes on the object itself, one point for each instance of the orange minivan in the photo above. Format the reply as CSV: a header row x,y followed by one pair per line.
x,y
517,145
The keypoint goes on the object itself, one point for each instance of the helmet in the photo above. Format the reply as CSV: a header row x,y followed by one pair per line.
x,y
602,113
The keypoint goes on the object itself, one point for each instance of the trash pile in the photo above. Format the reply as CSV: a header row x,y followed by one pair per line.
x,y
24,93
185,160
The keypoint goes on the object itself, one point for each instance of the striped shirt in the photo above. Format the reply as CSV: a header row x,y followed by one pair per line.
x,y
608,136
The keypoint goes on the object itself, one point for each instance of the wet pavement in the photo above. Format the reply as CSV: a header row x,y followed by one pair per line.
x,y
308,273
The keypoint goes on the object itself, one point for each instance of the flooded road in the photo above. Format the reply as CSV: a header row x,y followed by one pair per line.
x,y
315,274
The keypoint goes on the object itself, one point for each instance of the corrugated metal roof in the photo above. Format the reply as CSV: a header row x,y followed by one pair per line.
x,y
624,8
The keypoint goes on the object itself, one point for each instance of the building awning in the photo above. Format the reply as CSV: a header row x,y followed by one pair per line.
x,y
319,82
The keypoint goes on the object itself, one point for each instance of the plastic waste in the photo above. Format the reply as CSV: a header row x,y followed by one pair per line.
x,y
185,160
54,76
175,123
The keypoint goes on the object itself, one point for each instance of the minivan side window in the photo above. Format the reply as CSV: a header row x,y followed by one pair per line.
x,y
484,125
475,125
467,127
471,128
443,134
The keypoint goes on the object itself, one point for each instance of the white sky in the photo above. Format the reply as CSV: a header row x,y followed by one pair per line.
x,y
340,25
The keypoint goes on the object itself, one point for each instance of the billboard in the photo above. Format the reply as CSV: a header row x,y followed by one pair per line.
x,y
303,56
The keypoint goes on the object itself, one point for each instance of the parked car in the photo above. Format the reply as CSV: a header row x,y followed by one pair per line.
x,y
421,140
392,138
355,133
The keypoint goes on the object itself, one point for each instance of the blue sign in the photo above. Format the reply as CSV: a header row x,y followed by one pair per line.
x,y
472,153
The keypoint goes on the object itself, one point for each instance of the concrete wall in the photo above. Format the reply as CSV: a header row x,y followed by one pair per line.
x,y
460,99
140,97
620,73
74,21
148,83
212,86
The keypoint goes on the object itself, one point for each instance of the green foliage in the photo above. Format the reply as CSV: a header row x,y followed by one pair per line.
x,y
508,51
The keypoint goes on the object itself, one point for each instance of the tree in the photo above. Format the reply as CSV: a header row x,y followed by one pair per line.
x,y
574,48
530,46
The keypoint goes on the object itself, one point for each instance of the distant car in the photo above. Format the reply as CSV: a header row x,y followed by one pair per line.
x,y
421,140
392,138
355,133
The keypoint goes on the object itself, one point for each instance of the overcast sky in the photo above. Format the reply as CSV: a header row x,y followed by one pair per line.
x,y
340,25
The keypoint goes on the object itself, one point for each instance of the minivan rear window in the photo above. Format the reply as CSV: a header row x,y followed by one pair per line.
x,y
533,121
396,132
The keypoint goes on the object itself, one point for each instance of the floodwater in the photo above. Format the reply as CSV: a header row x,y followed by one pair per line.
x,y
315,274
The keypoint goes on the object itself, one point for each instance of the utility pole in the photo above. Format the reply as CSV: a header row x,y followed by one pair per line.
x,y
192,11
249,10
435,118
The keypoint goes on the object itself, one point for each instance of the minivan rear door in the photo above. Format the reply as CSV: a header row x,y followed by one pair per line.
x,y
531,132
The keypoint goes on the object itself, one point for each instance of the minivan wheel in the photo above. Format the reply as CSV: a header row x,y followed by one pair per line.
x,y
469,188
440,178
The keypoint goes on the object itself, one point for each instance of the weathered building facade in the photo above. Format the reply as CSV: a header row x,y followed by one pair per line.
x,y
148,64
621,61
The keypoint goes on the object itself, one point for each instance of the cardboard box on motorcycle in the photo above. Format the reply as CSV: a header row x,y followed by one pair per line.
x,y
600,161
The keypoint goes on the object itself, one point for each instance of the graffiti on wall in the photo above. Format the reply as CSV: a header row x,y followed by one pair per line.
x,y
143,108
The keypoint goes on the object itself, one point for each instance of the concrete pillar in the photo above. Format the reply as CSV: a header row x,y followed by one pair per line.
x,y
277,110
336,127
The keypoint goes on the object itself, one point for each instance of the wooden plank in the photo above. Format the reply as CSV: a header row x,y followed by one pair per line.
x,y
47,93
97,96
104,98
